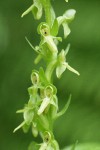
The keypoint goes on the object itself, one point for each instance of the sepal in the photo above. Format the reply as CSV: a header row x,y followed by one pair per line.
x,y
64,109
35,8
33,146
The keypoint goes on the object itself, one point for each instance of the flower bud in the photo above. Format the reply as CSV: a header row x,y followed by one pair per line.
x,y
47,137
35,78
34,130
48,91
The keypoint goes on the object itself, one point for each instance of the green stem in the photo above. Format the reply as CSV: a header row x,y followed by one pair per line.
x,y
49,70
47,9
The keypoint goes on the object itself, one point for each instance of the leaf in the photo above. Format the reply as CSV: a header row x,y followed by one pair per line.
x,y
64,109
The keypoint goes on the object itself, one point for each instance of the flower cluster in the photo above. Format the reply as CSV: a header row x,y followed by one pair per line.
x,y
42,108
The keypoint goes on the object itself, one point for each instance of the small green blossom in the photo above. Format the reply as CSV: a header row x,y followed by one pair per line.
x,y
47,100
64,20
44,30
63,65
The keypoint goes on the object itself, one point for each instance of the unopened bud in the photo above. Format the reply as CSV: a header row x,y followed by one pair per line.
x,y
48,91
35,78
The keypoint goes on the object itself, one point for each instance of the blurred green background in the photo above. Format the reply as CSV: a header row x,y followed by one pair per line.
x,y
82,120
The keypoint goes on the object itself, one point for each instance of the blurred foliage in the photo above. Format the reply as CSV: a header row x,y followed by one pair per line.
x,y
82,121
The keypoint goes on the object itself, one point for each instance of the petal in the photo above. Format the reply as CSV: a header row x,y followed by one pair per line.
x,y
45,103
53,103
72,69
33,146
66,29
21,125
43,146
70,14
67,49
28,116
34,130
61,57
35,77
60,69
35,8
36,49
28,10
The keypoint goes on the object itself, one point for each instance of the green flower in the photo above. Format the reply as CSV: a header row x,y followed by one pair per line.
x,y
47,38
47,100
64,20
63,65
